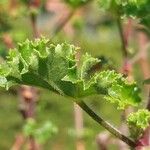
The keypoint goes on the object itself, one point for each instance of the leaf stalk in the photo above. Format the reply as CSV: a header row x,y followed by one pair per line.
x,y
106,125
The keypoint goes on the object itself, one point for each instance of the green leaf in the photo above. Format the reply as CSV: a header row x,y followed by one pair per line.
x,y
138,122
41,133
37,61
54,67
29,127
117,89
45,132
128,8
86,74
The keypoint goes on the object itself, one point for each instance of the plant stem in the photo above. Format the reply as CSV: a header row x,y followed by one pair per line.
x,y
148,103
33,19
123,40
106,125
63,23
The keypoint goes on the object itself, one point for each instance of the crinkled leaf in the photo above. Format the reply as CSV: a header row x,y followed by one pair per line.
x,y
37,63
117,89
133,8
106,78
86,73
124,95
138,122
54,67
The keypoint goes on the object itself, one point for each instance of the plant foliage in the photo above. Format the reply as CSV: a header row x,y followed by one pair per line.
x,y
56,67
119,90
42,133
138,122
132,8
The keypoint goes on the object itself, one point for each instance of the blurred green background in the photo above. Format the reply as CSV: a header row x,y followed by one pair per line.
x,y
92,30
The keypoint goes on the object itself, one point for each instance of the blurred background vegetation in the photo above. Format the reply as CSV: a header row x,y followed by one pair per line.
x,y
88,27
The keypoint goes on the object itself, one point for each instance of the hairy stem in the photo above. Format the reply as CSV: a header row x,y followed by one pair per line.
x,y
106,125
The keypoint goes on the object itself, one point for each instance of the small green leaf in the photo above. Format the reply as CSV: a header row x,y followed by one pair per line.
x,y
29,127
138,122
45,132
42,132
128,8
